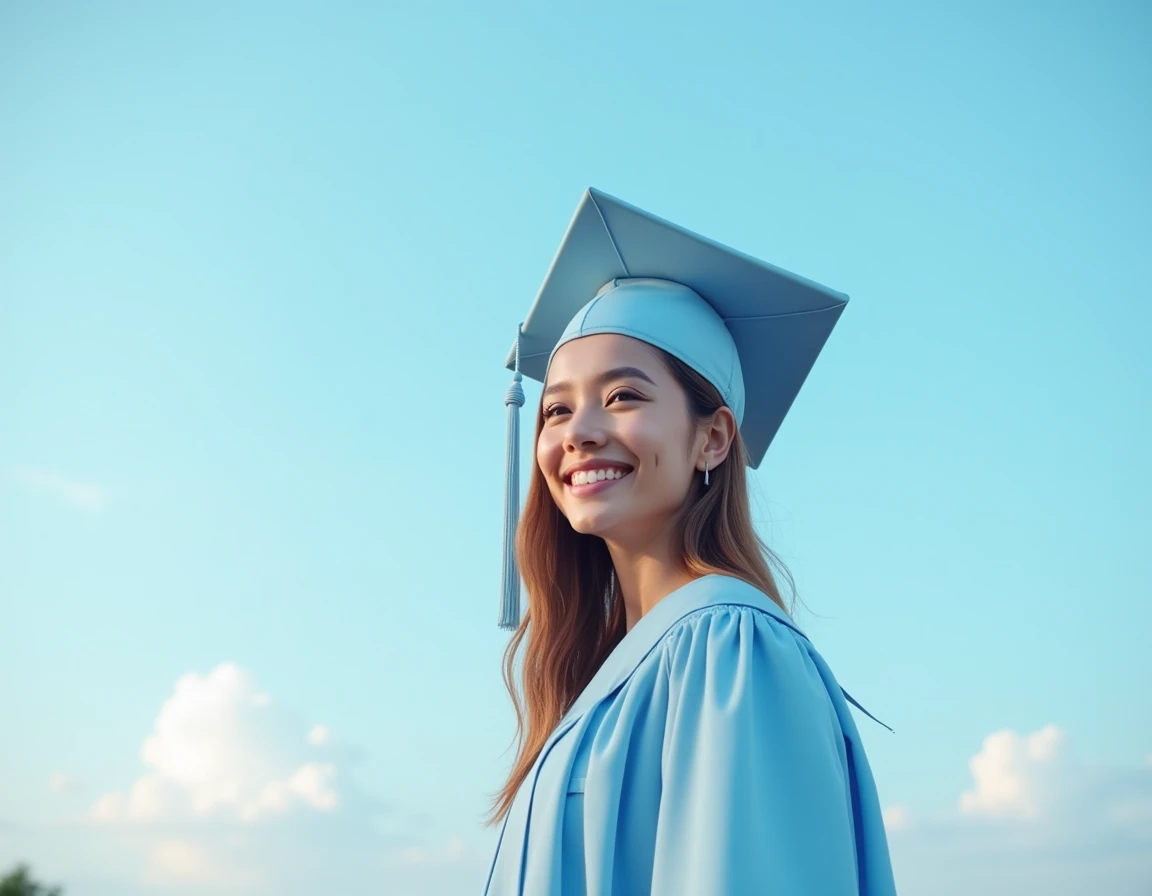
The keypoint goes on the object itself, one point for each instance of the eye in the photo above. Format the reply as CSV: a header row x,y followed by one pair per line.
x,y
624,395
553,409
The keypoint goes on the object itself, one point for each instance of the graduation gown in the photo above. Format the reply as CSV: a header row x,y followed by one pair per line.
x,y
713,754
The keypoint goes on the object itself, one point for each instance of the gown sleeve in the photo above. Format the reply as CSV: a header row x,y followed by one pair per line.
x,y
755,783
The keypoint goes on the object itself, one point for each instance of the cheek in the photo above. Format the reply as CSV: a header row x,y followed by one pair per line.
x,y
653,444
669,467
548,452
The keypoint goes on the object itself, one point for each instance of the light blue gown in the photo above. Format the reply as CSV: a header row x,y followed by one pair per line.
x,y
713,754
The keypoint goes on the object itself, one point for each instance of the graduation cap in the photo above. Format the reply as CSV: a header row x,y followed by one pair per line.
x,y
751,329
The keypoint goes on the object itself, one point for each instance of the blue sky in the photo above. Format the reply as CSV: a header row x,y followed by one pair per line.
x,y
259,271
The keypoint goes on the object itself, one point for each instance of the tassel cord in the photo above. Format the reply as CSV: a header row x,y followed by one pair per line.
x,y
510,586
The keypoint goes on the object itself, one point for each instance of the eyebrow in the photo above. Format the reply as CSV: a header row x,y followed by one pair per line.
x,y
616,373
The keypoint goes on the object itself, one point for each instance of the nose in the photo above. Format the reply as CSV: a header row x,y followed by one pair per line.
x,y
585,430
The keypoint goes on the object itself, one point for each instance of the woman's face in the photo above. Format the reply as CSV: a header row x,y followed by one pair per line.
x,y
618,447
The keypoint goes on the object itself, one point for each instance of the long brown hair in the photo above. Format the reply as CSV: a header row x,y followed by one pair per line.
x,y
575,615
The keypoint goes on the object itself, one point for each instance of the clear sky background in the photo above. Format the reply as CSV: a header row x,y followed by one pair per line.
x,y
259,270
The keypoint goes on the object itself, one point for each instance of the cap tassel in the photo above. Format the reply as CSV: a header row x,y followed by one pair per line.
x,y
510,593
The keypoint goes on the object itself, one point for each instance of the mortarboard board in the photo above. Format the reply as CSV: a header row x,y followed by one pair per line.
x,y
751,329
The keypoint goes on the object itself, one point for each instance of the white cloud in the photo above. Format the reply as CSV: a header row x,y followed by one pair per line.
x,y
1016,776
1037,818
897,818
61,487
218,750
149,799
182,861
238,795
63,784
310,784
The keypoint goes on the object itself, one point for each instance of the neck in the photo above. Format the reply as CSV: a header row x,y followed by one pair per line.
x,y
646,575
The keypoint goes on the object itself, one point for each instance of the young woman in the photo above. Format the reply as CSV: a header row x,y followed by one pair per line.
x,y
679,733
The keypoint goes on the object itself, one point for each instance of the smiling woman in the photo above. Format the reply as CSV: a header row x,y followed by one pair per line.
x,y
678,732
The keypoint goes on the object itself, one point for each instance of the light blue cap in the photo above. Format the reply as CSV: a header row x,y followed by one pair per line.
x,y
752,330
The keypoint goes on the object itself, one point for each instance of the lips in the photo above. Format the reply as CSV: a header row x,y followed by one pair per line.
x,y
594,479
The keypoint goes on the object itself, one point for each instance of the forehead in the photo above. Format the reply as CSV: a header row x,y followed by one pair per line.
x,y
589,356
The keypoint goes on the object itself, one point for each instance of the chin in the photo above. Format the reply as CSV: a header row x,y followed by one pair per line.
x,y
586,526
591,523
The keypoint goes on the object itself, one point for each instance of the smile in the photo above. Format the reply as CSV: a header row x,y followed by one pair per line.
x,y
583,483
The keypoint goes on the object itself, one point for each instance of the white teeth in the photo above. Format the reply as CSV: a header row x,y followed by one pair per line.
x,y
584,477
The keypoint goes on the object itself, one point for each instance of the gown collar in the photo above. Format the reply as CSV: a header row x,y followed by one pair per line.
x,y
706,591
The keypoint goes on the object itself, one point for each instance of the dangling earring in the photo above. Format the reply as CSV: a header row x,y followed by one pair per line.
x,y
705,472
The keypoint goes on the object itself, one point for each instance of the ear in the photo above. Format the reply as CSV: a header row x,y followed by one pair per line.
x,y
718,438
